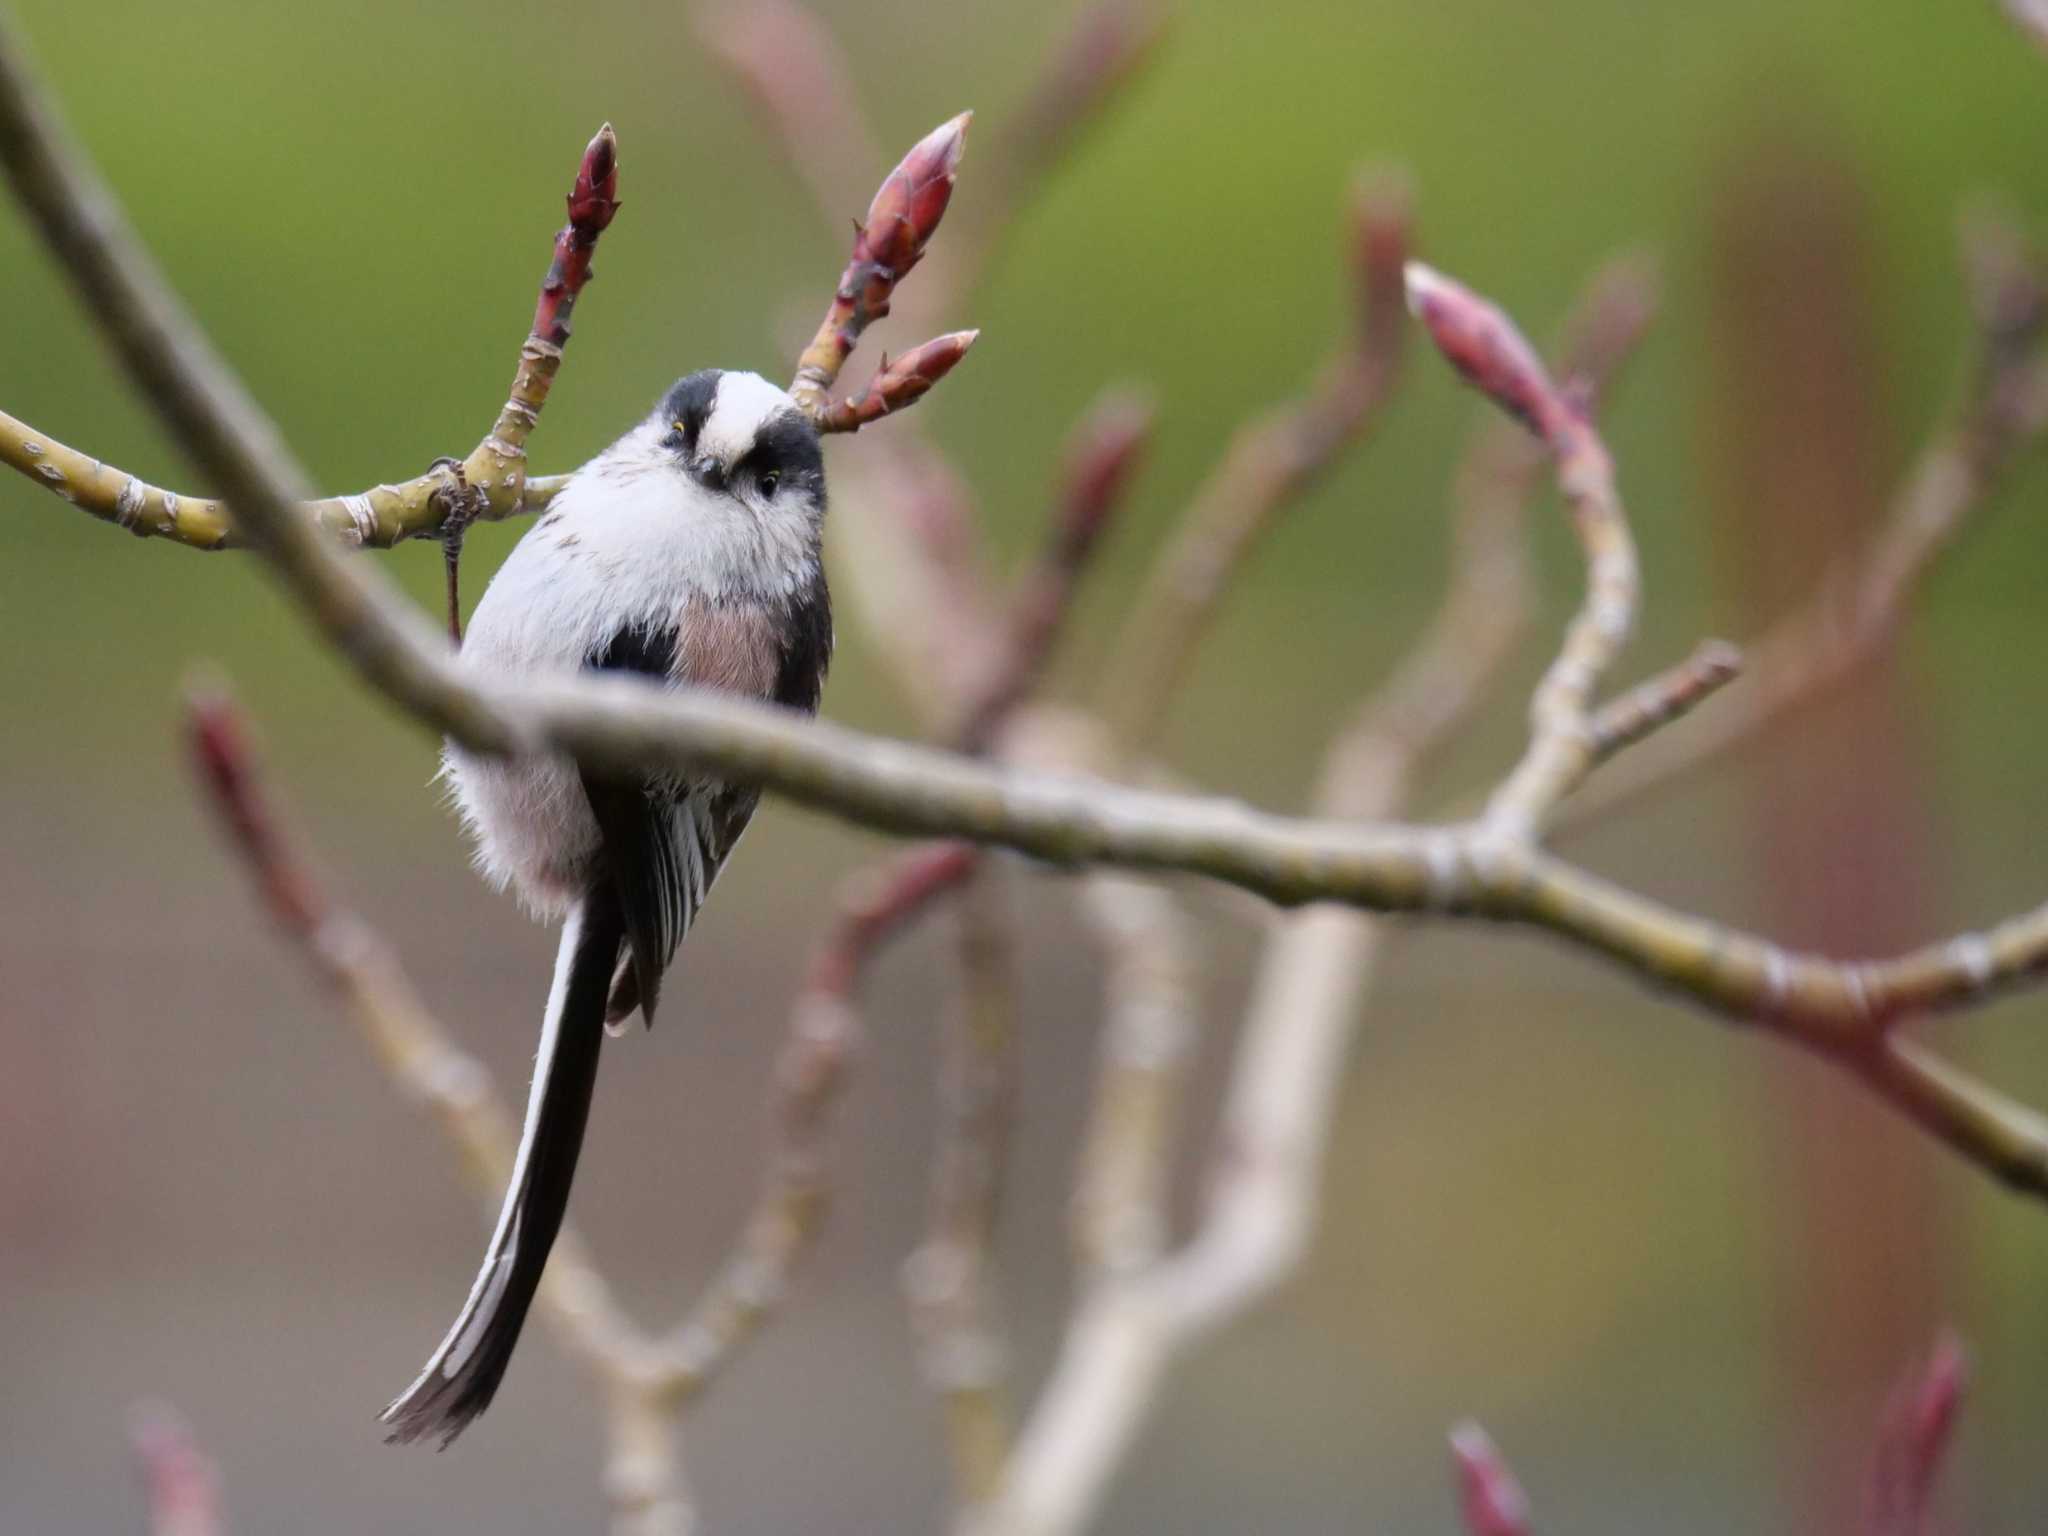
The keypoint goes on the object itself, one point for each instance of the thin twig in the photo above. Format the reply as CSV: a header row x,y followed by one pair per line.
x,y
1270,462
1484,346
417,1053
498,463
1143,1307
1656,702
180,1484
1150,1011
810,1078
950,1280
1861,599
92,242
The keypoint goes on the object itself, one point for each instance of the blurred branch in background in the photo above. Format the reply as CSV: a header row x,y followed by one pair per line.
x,y
1912,1443
1864,594
1142,1300
1270,462
180,1485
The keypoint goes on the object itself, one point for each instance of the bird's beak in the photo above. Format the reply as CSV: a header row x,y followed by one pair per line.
x,y
707,472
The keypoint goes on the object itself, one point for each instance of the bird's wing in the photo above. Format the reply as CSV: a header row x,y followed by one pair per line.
x,y
666,839
664,849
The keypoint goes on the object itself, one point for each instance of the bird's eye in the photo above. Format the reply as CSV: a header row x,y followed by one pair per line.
x,y
769,481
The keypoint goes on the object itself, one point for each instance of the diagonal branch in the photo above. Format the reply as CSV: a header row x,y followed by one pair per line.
x,y
1484,346
353,961
1271,461
1859,602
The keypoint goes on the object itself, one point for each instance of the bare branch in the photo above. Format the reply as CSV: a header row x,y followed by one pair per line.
x,y
355,963
91,241
1143,1309
1103,453
1484,346
949,1281
1106,46
1119,1212
810,1077
1861,599
621,725
794,71
1270,462
1655,703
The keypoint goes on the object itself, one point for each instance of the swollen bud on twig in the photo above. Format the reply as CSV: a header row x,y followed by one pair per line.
x,y
899,382
1913,1440
907,209
1489,1497
593,201
1486,348
900,222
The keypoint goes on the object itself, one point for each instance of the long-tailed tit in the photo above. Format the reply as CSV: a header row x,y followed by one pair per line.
x,y
687,551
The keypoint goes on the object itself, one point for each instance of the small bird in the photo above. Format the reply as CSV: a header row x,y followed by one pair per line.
x,y
688,551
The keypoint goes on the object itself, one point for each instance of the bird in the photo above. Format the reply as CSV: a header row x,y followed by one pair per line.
x,y
689,552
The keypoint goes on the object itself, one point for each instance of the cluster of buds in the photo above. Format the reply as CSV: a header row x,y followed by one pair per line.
x,y
890,241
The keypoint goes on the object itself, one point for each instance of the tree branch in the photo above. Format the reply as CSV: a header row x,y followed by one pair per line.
x,y
1860,600
1270,462
418,1054
91,241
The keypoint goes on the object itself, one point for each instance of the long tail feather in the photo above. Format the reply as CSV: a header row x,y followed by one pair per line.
x,y
459,1380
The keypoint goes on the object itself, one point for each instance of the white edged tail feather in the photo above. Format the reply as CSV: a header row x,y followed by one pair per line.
x,y
463,1373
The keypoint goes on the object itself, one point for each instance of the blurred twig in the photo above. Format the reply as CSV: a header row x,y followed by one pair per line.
x,y
1861,599
92,242
1270,461
1489,1498
180,1484
412,1046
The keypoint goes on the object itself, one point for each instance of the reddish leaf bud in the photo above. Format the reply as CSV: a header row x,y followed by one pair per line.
x,y
595,197
1486,348
1491,1500
1913,1440
907,209
899,382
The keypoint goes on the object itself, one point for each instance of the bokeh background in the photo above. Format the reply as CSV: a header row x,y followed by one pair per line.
x,y
1672,1268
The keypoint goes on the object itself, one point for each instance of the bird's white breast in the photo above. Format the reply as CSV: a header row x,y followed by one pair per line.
x,y
627,543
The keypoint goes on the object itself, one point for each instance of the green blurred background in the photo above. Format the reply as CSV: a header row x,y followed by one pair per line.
x,y
1672,1269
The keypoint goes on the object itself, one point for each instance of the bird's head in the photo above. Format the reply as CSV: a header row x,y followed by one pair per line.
x,y
734,434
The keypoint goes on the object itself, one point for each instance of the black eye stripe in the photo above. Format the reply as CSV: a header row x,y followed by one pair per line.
x,y
688,405
787,446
